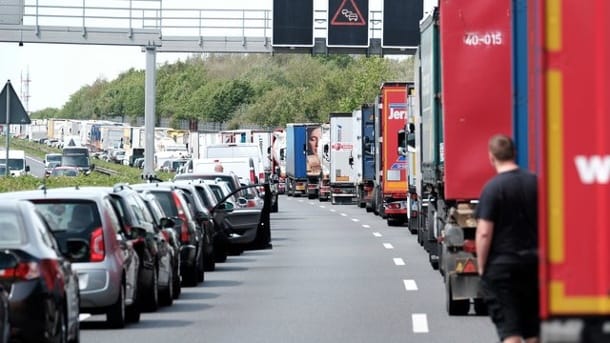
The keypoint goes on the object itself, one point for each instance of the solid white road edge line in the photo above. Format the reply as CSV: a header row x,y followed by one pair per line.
x,y
420,322
410,285
399,261
388,246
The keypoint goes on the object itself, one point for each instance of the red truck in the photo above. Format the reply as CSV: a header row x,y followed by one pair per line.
x,y
569,95
391,195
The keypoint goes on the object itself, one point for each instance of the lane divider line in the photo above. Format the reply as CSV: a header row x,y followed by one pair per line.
x,y
333,210
366,226
355,220
83,316
410,285
399,261
322,206
344,214
311,203
388,246
377,234
420,322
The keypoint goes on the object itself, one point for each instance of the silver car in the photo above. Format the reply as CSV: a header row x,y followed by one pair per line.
x,y
107,271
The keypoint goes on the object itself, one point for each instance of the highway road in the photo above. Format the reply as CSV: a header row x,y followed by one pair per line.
x,y
335,274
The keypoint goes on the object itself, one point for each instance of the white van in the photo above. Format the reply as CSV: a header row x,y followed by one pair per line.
x,y
243,167
239,150
16,162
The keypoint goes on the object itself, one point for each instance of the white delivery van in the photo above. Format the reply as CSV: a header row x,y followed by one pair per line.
x,y
243,167
238,150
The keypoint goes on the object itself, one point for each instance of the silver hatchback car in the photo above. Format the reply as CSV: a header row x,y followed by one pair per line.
x,y
107,271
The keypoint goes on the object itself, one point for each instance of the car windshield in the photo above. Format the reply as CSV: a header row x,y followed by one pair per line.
x,y
14,163
54,158
75,161
64,172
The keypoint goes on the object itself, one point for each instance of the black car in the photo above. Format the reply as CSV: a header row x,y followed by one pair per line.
x,y
155,279
202,216
165,225
175,206
44,289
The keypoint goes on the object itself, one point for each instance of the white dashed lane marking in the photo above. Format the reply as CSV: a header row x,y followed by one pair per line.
x,y
355,220
376,234
399,261
344,214
83,316
311,203
420,322
322,206
388,246
366,226
333,210
410,285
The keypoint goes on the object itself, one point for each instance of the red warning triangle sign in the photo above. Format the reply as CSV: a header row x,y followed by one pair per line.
x,y
348,14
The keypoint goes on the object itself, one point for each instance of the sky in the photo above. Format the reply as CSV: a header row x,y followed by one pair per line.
x,y
58,70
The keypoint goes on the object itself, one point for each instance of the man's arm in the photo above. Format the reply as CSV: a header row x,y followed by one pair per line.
x,y
485,230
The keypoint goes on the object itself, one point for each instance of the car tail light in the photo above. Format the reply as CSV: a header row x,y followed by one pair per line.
x,y
185,235
251,203
252,176
337,190
50,272
97,249
261,177
165,235
23,271
470,246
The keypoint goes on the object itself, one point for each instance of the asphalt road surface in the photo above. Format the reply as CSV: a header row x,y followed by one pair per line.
x,y
335,274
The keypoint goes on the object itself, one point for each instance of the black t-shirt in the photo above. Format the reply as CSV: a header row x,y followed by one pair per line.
x,y
510,201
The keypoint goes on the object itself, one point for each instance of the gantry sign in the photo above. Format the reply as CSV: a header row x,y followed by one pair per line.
x,y
348,27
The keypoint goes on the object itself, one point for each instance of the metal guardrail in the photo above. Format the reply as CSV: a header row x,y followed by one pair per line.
x,y
105,171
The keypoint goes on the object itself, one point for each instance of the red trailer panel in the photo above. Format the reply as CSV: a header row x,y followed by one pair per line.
x,y
575,187
476,89
393,120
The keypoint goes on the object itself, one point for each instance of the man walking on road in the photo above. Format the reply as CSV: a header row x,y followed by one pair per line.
x,y
506,244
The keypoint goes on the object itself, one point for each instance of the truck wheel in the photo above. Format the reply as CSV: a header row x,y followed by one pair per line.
x,y
455,307
480,308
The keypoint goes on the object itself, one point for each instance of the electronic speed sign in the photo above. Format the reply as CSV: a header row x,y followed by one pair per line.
x,y
292,23
348,23
401,23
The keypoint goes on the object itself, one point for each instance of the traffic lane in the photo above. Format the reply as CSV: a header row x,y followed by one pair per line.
x,y
326,279
429,297
36,166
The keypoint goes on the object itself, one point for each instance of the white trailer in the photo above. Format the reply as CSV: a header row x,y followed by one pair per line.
x,y
342,189
356,165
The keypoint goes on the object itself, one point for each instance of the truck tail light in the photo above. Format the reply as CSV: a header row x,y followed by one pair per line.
x,y
252,176
97,249
185,235
468,267
470,246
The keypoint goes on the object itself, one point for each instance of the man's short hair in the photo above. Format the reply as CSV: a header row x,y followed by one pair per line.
x,y
502,148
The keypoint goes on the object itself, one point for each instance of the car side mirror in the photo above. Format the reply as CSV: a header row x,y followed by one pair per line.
x,y
225,207
137,232
76,249
202,216
167,223
27,169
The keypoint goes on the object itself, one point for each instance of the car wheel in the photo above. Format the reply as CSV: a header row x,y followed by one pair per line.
x,y
201,267
132,312
167,295
57,331
189,278
116,314
177,282
210,261
151,300
220,250
76,334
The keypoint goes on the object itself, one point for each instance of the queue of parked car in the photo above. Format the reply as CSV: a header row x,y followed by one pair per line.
x,y
118,251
